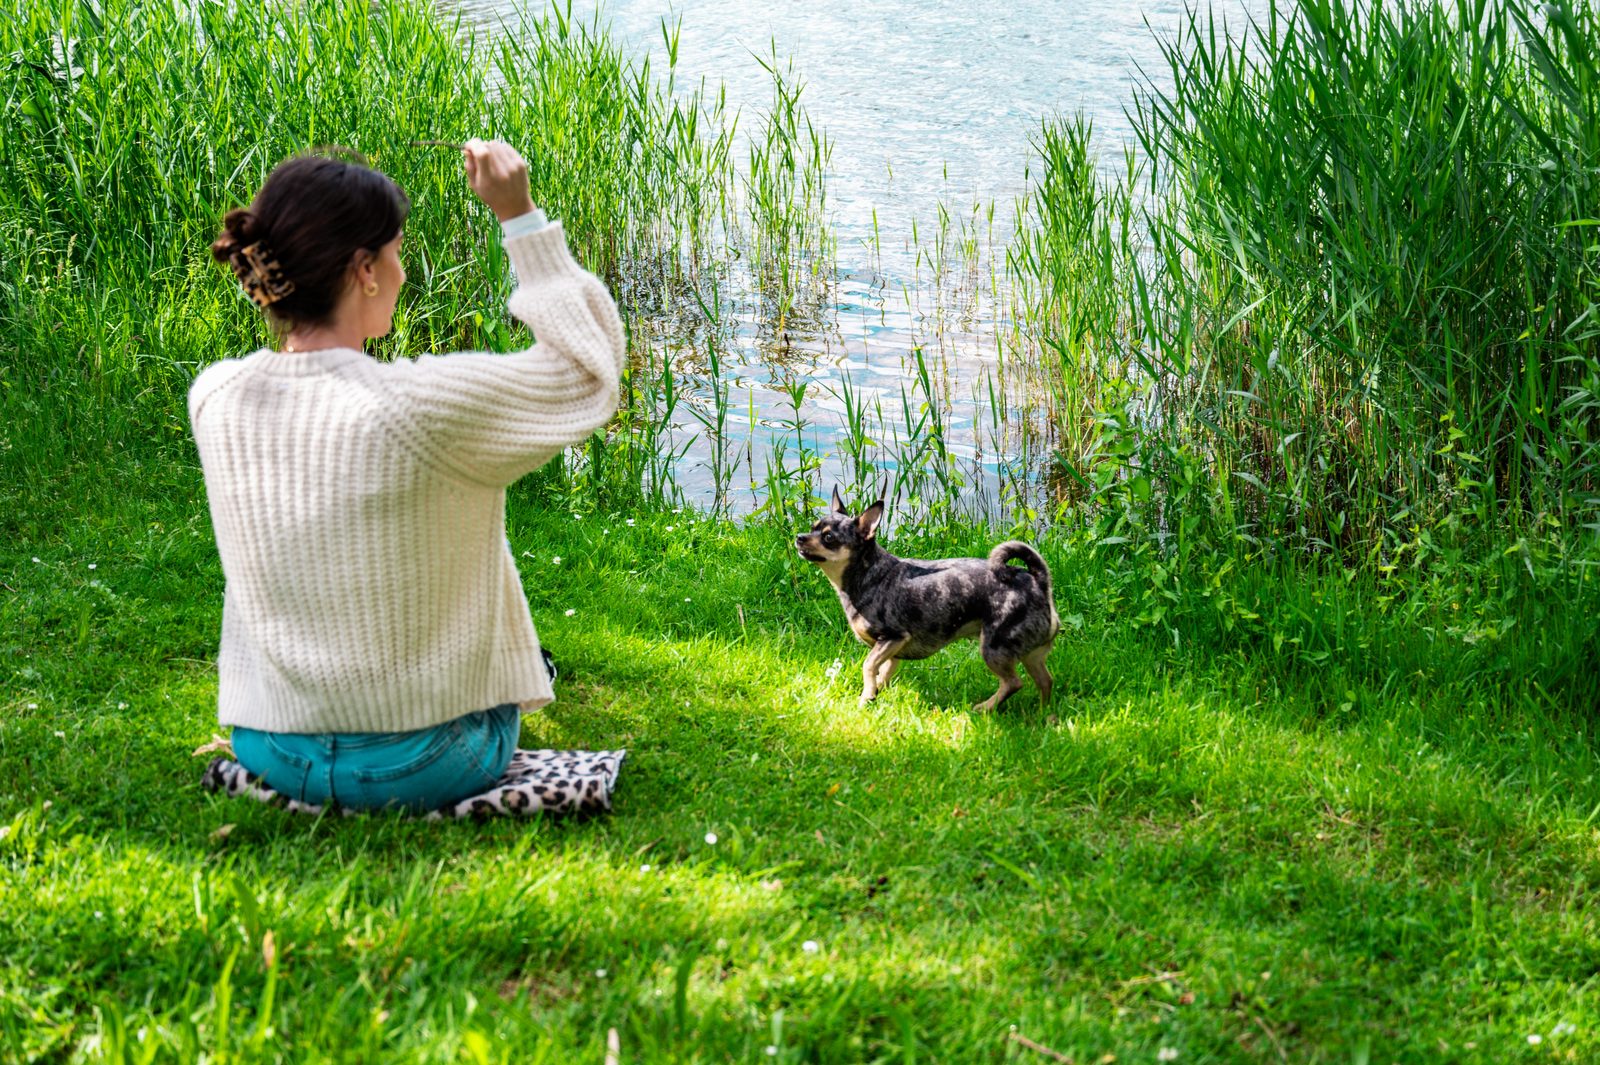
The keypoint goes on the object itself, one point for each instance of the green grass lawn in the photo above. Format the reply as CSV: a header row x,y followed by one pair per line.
x,y
1212,851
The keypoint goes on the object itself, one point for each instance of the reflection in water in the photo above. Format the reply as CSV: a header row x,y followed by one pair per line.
x,y
931,108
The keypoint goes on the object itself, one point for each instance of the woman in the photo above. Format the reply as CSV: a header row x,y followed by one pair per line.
x,y
376,646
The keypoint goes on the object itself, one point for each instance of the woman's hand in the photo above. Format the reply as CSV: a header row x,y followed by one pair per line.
x,y
499,177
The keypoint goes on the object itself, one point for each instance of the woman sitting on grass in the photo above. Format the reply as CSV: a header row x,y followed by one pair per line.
x,y
376,648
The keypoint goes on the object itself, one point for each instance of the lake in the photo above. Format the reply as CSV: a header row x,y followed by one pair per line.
x,y
926,103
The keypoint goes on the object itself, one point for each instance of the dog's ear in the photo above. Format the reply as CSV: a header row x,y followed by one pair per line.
x,y
838,506
867,523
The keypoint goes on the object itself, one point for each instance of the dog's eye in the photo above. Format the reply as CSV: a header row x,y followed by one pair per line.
x,y
829,540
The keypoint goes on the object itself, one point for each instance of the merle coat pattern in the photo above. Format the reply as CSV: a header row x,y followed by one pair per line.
x,y
908,609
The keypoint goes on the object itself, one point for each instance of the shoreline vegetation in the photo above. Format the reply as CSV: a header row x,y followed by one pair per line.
x,y
1301,403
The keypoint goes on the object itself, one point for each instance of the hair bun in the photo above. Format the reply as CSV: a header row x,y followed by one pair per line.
x,y
240,228
243,247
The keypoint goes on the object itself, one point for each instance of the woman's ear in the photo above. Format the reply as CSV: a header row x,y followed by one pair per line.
x,y
363,268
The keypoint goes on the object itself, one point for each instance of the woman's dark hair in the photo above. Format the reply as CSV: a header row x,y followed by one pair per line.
x,y
292,248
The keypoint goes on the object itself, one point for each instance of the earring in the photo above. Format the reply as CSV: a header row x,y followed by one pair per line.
x,y
371,288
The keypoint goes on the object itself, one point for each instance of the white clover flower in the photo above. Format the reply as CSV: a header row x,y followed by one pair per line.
x,y
60,735
711,839
811,946
630,523
833,670
122,706
36,558
685,599
599,974
571,612
1563,1028
1167,1054
1534,1039
772,1051
645,868
33,706
556,561
669,528
93,566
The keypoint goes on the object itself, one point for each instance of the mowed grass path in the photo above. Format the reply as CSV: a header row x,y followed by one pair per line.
x,y
1204,852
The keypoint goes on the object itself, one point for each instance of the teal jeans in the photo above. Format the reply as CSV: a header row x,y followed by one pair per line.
x,y
421,770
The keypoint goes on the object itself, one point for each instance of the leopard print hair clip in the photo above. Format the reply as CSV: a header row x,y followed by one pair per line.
x,y
260,274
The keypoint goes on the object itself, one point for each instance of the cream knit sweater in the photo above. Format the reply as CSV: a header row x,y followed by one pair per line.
x,y
359,509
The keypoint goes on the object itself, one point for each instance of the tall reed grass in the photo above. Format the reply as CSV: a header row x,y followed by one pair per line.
x,y
131,126
1338,298
1342,295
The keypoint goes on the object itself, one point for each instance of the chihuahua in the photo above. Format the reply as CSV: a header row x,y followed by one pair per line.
x,y
903,608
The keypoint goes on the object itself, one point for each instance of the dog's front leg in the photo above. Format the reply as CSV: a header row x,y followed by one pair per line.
x,y
882,651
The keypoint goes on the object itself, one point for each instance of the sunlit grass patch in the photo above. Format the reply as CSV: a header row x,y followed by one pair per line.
x,y
1111,874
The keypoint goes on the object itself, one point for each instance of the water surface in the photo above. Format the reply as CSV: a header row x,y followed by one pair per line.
x,y
925,102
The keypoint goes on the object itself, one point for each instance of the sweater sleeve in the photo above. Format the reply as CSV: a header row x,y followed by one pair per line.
x,y
492,418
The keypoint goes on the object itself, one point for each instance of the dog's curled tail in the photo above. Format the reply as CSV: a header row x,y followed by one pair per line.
x,y
1032,559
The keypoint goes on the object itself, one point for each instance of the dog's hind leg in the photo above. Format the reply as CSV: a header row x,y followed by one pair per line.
x,y
1033,661
1004,667
886,672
